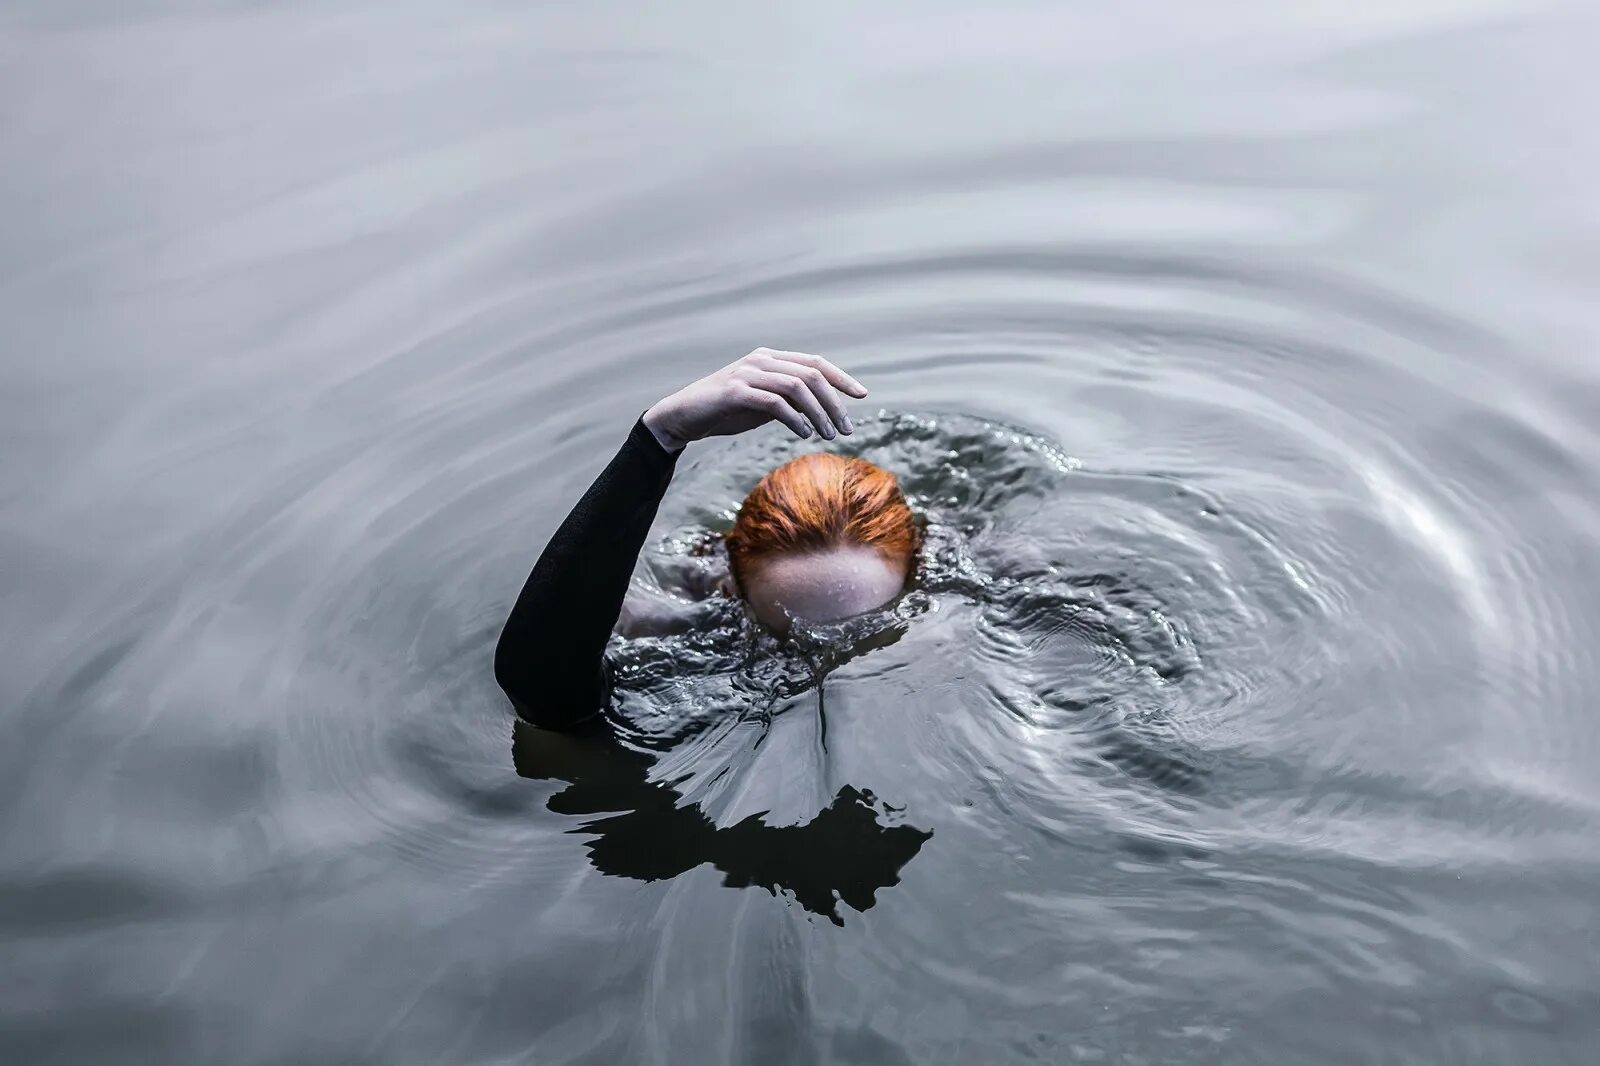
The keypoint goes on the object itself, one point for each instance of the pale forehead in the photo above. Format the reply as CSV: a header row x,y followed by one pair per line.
x,y
823,586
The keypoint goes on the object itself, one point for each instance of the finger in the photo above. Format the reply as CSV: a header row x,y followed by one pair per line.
x,y
778,409
815,383
800,394
836,377
821,388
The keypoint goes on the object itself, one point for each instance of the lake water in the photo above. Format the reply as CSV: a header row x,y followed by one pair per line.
x,y
1242,360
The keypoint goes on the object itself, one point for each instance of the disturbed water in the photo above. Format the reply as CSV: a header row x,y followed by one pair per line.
x,y
1240,363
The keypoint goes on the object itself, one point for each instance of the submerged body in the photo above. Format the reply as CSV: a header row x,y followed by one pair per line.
x,y
821,538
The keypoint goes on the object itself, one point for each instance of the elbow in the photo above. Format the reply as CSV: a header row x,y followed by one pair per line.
x,y
541,685
507,675
515,676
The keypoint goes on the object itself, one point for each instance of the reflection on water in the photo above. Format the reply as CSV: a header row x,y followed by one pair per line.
x,y
1239,361
843,854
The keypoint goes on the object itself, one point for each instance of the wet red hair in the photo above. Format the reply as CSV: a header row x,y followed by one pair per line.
x,y
820,501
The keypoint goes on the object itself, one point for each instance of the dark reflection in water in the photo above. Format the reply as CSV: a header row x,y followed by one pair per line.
x,y
843,854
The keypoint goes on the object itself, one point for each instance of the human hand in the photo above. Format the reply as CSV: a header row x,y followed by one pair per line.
x,y
801,391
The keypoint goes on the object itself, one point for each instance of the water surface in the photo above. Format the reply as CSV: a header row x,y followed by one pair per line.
x,y
1240,362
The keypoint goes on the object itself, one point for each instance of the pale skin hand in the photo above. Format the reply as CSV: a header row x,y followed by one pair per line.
x,y
800,390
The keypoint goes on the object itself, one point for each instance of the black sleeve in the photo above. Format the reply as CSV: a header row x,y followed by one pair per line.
x,y
551,655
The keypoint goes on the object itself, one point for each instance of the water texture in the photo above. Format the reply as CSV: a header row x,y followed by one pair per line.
x,y
1240,362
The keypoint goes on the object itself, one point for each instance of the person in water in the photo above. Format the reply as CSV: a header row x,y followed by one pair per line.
x,y
821,538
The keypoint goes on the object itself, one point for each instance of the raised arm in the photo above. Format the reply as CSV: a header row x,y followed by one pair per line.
x,y
551,651
551,656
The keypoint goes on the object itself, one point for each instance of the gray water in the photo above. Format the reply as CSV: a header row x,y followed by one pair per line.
x,y
1240,358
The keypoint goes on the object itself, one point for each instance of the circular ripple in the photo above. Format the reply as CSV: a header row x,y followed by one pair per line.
x,y
1198,583
1170,570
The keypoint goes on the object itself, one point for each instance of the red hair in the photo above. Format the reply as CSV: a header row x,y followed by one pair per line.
x,y
820,501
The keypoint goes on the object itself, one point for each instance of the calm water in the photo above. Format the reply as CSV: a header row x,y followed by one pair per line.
x,y
1242,362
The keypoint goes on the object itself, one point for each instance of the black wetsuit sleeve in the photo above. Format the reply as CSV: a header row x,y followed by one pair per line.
x,y
551,656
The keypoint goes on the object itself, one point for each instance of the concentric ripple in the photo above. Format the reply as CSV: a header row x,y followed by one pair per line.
x,y
1241,707
1186,599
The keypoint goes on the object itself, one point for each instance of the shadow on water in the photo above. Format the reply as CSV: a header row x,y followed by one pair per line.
x,y
640,830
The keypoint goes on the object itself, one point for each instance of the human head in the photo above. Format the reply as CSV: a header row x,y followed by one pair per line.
x,y
821,538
